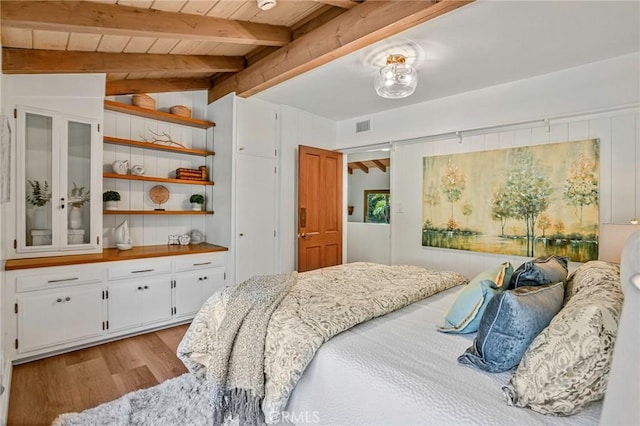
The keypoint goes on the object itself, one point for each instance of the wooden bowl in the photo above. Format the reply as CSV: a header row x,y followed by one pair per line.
x,y
180,110
143,101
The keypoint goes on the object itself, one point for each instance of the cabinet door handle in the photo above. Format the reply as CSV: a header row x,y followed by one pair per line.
x,y
59,300
199,278
67,299
146,287
204,278
62,280
142,270
139,288
62,203
203,263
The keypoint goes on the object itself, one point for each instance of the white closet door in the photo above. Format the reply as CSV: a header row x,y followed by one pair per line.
x,y
256,218
257,128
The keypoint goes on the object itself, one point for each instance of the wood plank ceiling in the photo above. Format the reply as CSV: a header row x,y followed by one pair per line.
x,y
220,45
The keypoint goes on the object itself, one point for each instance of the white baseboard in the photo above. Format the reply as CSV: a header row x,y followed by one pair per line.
x,y
7,369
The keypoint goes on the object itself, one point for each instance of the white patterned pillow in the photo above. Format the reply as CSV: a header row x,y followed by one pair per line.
x,y
566,366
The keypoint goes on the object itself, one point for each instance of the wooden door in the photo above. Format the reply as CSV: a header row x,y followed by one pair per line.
x,y
319,208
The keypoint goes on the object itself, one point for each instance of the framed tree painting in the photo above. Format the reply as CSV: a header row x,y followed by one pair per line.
x,y
529,201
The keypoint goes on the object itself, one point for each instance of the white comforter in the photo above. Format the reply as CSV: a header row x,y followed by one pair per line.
x,y
398,370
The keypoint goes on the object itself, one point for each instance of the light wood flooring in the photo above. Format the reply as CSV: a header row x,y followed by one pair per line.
x,y
41,390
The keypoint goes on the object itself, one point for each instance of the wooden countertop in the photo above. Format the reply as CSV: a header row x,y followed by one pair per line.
x,y
111,255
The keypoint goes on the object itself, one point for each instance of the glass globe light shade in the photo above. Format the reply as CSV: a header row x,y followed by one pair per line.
x,y
396,79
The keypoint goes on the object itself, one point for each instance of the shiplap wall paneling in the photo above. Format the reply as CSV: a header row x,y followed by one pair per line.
x,y
152,230
619,187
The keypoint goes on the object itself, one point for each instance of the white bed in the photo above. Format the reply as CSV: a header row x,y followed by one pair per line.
x,y
398,370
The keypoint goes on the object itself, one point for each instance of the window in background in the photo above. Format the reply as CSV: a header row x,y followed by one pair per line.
x,y
377,204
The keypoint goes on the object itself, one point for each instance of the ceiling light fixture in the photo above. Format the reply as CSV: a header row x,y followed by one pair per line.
x,y
266,4
396,79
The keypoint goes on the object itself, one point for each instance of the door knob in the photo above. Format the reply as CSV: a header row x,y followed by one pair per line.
x,y
303,235
242,234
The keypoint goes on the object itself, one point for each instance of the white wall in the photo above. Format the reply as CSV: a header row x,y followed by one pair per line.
x,y
368,242
611,85
586,88
147,229
297,128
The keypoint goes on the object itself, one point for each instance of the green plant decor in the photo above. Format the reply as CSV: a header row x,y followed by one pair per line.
x,y
40,194
78,197
197,199
111,196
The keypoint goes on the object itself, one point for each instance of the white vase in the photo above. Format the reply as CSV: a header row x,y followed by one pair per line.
x,y
121,233
75,217
39,218
111,205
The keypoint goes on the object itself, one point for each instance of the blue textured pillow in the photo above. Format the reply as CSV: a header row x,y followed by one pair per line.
x,y
540,271
510,323
465,313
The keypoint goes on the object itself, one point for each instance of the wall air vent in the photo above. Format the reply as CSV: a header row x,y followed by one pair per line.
x,y
363,126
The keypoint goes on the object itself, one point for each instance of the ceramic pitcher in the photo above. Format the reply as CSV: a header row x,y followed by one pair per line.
x,y
120,167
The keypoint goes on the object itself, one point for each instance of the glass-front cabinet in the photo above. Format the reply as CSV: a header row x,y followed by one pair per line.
x,y
58,182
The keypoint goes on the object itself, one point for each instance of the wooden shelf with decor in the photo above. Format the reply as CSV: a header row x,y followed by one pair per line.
x,y
157,179
157,147
158,212
157,115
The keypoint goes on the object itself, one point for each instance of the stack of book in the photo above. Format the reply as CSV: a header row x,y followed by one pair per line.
x,y
192,174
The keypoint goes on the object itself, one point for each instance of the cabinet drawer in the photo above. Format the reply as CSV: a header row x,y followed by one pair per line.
x,y
203,261
138,269
47,279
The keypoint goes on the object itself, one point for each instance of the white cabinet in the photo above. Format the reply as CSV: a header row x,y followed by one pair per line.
x,y
255,216
257,131
46,309
192,289
195,279
50,319
246,175
54,309
138,302
55,122
57,176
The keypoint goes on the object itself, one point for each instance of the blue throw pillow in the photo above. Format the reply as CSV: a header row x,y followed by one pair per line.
x,y
510,323
465,313
540,271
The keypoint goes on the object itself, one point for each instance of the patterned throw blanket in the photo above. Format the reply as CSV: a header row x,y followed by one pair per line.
x,y
285,320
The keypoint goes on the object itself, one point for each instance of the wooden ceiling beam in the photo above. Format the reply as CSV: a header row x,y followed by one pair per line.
x,y
315,20
156,85
344,4
361,26
380,165
111,19
33,61
359,165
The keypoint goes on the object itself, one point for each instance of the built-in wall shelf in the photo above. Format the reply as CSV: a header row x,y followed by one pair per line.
x,y
156,115
157,179
158,212
156,147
